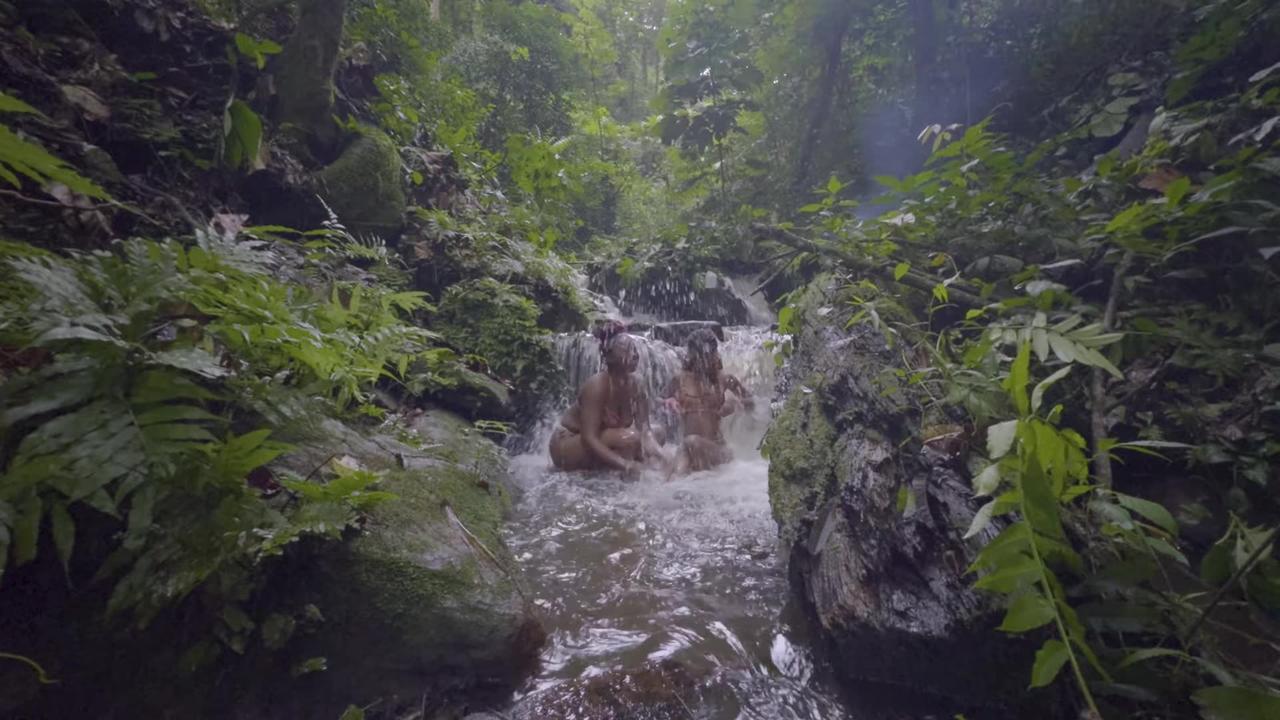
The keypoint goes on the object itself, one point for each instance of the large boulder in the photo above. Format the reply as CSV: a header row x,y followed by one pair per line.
x,y
364,186
426,600
669,294
872,520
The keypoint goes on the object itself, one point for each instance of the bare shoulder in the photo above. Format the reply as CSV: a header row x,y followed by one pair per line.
x,y
593,388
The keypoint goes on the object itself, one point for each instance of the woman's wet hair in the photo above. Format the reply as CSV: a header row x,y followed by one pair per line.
x,y
608,334
701,344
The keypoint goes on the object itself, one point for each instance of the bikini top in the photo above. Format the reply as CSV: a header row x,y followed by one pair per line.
x,y
612,417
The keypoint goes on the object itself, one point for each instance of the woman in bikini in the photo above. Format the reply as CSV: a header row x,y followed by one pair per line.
x,y
698,394
608,426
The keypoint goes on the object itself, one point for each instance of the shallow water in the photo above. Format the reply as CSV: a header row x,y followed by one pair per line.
x,y
630,574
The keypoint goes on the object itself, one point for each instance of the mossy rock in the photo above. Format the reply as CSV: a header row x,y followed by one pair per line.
x,y
427,598
800,446
364,186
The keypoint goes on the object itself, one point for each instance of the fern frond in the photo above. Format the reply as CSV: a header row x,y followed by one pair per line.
x,y
21,158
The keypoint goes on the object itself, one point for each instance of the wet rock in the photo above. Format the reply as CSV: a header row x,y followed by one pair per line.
x,y
676,333
477,396
426,599
885,589
665,295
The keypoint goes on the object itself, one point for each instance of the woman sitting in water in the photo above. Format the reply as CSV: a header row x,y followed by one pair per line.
x,y
698,394
608,426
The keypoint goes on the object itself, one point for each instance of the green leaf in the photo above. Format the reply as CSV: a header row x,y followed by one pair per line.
x,y
1019,374
981,519
1039,504
987,481
19,157
64,534
1049,661
1237,703
175,413
1027,612
1021,572
900,270
9,103
352,713
1154,512
194,360
1217,564
26,530
243,134
1146,654
1037,395
1000,438
1176,190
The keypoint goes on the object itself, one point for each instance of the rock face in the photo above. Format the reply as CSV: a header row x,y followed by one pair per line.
x,y
677,333
671,295
881,576
425,601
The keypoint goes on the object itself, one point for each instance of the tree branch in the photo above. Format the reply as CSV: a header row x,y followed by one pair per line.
x,y
1098,383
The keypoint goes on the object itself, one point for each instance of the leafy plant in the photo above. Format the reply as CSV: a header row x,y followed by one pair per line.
x,y
18,157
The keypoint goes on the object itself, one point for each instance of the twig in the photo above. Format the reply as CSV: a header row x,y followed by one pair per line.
x,y
114,204
41,675
789,255
477,542
317,468
1098,387
51,203
1231,581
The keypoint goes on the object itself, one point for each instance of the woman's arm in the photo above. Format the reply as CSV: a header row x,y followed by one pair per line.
x,y
591,405
732,383
640,410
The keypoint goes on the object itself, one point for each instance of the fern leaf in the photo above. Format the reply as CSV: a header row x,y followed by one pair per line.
x,y
9,103
19,157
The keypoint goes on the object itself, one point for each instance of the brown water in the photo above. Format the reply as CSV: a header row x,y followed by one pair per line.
x,y
629,575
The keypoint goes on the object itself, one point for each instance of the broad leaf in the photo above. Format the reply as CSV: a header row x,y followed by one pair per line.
x,y
1037,394
981,519
1154,512
1049,661
1027,612
1000,438
1237,703
64,533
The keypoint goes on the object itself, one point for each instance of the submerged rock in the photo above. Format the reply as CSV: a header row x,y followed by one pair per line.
x,y
873,522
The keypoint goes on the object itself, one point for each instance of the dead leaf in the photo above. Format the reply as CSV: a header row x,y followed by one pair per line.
x,y
1160,179
87,101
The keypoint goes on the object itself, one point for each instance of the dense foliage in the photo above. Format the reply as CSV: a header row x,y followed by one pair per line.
x,y
1107,331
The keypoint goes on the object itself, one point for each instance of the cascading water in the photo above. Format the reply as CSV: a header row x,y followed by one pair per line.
x,y
630,576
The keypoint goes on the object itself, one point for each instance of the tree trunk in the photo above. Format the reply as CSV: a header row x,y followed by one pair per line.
x,y
435,10
925,48
830,32
304,79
